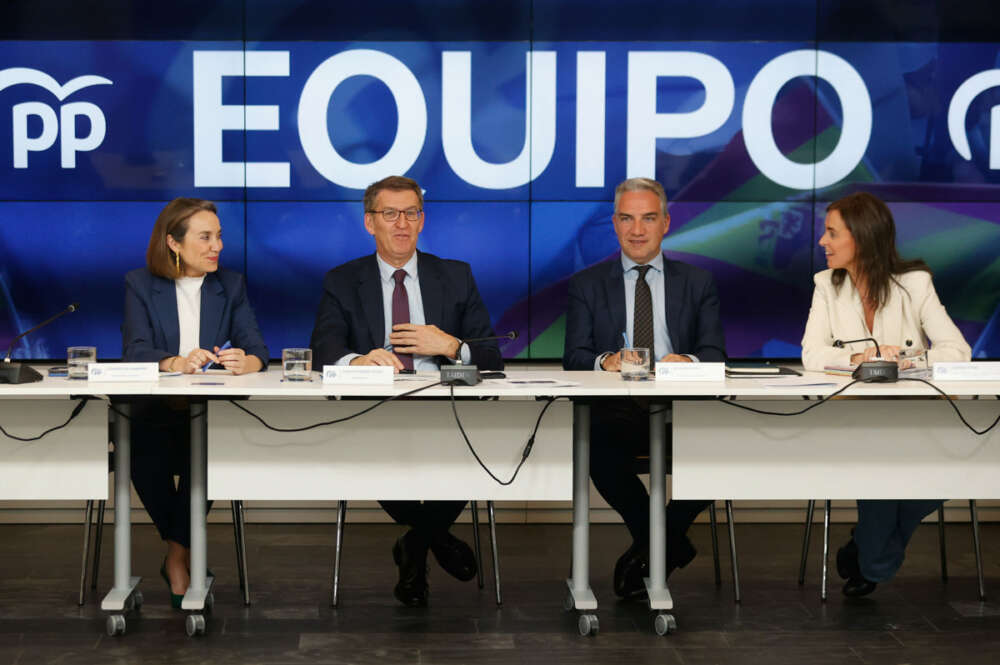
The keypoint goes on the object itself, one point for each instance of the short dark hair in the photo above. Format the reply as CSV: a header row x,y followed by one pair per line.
x,y
394,183
172,221
870,223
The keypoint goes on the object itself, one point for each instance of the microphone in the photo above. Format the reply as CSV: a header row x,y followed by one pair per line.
x,y
872,371
468,375
18,373
513,334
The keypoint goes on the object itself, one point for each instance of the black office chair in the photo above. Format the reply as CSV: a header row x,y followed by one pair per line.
x,y
342,513
239,529
944,561
642,468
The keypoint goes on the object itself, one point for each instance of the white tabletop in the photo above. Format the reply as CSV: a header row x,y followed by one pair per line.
x,y
537,383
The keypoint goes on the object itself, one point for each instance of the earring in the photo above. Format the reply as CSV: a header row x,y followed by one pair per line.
x,y
177,262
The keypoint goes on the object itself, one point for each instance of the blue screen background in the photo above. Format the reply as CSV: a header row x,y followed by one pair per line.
x,y
70,235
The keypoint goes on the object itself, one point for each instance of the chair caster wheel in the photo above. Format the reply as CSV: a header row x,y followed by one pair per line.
x,y
115,625
568,602
137,600
587,624
209,601
194,625
664,624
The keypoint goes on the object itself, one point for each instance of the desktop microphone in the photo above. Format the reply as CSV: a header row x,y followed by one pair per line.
x,y
509,335
18,373
872,371
468,375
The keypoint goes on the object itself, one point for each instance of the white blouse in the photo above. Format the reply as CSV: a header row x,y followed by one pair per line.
x,y
912,312
189,313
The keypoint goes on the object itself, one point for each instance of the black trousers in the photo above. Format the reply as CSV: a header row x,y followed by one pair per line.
x,y
619,436
161,449
426,518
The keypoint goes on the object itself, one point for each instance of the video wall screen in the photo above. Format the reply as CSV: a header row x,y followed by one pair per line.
x,y
518,119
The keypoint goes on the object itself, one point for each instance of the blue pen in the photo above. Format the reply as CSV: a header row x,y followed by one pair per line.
x,y
628,345
227,345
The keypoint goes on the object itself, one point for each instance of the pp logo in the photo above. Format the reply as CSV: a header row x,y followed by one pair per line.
x,y
69,142
959,108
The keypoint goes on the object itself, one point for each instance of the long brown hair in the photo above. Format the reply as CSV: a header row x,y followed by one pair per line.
x,y
870,223
173,221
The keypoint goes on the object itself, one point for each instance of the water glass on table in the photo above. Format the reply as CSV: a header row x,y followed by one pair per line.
x,y
77,359
635,363
296,364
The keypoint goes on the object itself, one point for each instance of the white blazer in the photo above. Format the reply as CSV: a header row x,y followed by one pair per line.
x,y
912,312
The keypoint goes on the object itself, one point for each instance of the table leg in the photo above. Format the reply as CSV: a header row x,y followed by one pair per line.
x,y
123,596
656,583
581,597
199,594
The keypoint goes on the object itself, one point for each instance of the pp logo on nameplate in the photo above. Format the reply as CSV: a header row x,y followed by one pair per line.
x,y
691,372
970,371
357,375
123,372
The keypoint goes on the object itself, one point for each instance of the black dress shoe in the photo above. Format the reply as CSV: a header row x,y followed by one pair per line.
x,y
454,555
630,569
847,562
410,554
858,586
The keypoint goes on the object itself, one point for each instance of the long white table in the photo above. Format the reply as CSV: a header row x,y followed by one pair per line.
x,y
719,451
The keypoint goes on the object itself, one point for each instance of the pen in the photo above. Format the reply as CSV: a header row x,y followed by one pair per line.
x,y
227,345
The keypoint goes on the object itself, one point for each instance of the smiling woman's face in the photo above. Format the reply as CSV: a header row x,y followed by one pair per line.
x,y
837,242
200,247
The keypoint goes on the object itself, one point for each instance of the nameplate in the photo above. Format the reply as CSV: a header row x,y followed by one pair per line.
x,y
357,374
980,371
690,371
122,372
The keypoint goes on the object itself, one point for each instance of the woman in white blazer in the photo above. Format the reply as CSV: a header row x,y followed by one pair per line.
x,y
870,291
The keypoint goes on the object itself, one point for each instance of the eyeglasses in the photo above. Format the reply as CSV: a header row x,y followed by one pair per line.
x,y
391,214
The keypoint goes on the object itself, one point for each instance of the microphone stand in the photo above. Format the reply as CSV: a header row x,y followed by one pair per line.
x,y
11,372
468,375
872,371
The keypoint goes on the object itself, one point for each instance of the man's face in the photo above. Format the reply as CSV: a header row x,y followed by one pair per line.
x,y
640,225
395,241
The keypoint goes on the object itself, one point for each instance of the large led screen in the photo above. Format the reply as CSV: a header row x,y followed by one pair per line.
x,y
518,122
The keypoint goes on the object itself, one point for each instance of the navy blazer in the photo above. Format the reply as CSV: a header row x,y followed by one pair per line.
x,y
150,331
595,315
351,315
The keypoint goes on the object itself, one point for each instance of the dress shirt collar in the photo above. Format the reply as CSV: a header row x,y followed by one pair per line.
x,y
386,271
655,264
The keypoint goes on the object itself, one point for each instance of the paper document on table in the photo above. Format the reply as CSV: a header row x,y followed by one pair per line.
x,y
540,382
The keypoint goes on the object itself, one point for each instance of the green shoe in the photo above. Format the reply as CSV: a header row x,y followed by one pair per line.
x,y
175,598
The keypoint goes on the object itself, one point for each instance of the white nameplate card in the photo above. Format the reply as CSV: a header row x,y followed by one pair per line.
x,y
358,374
121,372
691,371
980,371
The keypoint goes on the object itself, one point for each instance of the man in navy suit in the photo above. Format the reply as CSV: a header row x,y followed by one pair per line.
x,y
675,309
408,310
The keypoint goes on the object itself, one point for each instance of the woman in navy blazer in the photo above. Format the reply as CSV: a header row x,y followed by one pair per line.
x,y
180,312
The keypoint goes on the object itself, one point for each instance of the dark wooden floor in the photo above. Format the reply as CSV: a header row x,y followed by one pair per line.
x,y
916,619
